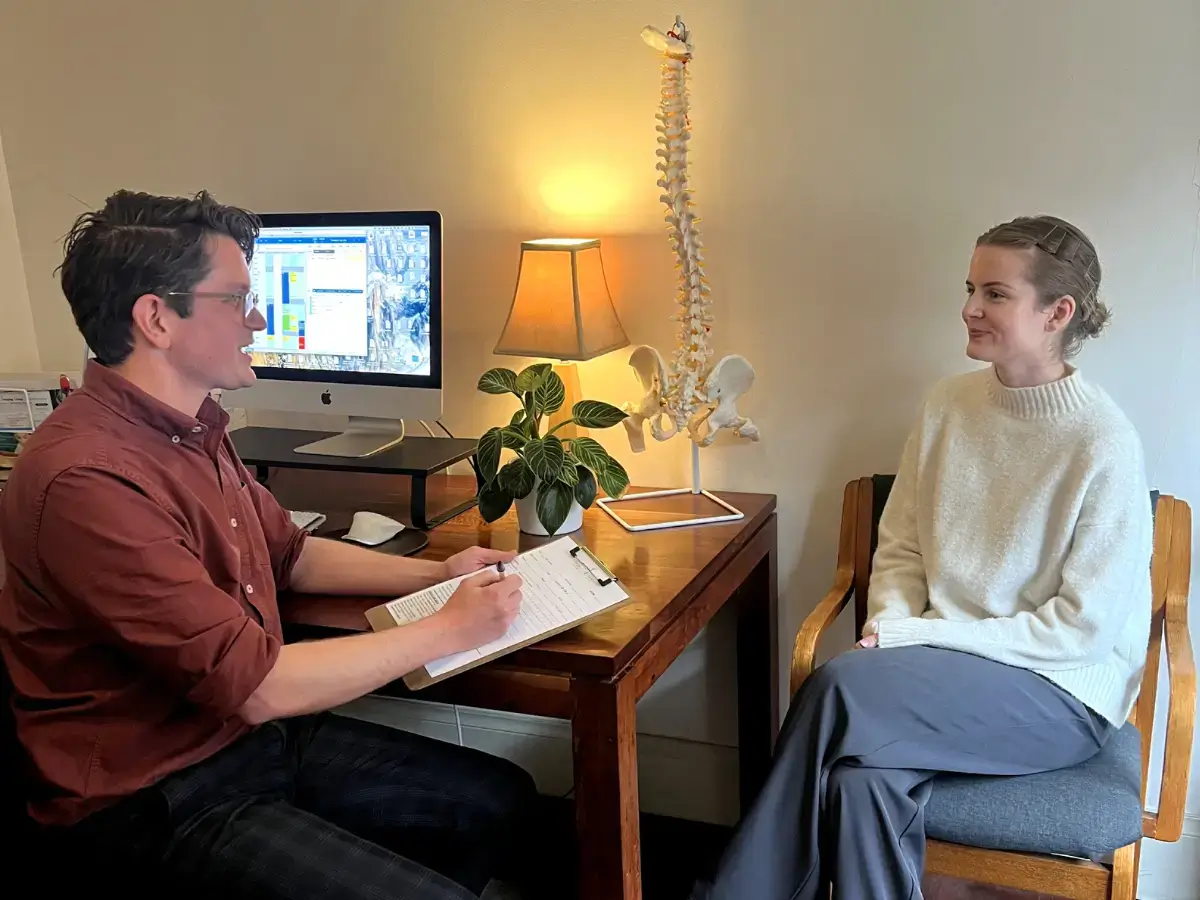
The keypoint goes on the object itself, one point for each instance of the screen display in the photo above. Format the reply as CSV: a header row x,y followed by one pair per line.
x,y
344,298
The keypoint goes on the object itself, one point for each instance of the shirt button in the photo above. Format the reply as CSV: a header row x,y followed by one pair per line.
x,y
249,589
174,439
233,522
197,429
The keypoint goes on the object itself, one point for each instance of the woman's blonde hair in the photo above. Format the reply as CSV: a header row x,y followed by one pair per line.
x,y
1064,262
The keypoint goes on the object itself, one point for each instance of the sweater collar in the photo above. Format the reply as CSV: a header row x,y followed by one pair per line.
x,y
1057,398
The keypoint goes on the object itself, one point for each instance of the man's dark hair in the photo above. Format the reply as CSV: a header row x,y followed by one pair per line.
x,y
139,244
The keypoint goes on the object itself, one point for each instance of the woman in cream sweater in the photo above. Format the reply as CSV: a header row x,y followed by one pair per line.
x,y
1009,605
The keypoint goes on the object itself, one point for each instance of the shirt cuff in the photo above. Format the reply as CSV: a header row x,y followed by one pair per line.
x,y
906,632
288,558
245,664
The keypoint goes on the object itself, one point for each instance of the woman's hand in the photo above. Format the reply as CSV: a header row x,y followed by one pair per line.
x,y
870,636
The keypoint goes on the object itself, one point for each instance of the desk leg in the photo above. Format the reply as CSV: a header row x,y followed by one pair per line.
x,y
604,738
757,674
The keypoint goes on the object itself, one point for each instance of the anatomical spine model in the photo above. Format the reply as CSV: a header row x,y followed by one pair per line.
x,y
691,395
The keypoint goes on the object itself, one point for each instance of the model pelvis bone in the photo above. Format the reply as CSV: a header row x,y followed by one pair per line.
x,y
731,377
652,373
725,382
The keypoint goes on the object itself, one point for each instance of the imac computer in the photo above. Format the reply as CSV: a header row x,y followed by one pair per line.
x,y
353,305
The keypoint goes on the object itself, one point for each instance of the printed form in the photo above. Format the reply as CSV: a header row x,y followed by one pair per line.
x,y
558,590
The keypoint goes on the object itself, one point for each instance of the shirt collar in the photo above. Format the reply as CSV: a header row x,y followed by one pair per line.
x,y
132,403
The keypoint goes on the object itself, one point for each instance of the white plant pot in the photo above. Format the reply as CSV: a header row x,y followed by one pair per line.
x,y
528,521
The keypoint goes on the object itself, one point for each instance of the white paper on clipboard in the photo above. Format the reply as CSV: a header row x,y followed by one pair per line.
x,y
561,589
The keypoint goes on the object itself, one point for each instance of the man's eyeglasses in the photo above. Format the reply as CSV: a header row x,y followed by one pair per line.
x,y
247,301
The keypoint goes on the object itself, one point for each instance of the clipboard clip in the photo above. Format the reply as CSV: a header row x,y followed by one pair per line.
x,y
593,564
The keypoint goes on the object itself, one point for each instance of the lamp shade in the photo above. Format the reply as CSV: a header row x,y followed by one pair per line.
x,y
561,308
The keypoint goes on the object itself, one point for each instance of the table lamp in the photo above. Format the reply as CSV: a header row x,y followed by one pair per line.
x,y
562,310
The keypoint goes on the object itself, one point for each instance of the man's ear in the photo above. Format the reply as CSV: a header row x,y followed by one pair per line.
x,y
1061,312
152,319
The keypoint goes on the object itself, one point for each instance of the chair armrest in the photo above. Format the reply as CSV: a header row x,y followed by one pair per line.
x,y
805,649
1167,823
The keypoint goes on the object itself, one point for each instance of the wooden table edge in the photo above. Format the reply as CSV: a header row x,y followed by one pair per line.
x,y
598,666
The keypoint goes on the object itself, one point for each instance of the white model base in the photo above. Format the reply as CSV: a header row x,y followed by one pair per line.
x,y
733,514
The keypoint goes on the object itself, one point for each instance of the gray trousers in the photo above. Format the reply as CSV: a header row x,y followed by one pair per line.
x,y
864,737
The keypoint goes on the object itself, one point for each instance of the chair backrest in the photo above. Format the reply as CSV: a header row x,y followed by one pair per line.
x,y
13,786
872,497
14,769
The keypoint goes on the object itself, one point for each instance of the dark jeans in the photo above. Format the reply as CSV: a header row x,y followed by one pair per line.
x,y
331,807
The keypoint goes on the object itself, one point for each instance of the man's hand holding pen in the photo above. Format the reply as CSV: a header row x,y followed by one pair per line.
x,y
482,607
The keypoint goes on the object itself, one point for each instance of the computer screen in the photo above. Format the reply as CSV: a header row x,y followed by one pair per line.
x,y
350,297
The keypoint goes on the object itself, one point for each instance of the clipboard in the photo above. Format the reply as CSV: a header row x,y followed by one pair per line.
x,y
565,584
595,566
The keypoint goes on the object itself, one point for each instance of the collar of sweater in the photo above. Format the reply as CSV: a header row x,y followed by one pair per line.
x,y
1063,397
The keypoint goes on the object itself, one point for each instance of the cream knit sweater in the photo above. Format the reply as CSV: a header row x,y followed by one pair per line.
x,y
1019,529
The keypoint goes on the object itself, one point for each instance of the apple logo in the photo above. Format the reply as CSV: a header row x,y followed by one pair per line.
x,y
326,398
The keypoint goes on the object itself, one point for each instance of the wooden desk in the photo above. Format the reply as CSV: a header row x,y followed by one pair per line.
x,y
595,674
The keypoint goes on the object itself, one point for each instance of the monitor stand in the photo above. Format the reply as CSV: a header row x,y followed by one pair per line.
x,y
365,436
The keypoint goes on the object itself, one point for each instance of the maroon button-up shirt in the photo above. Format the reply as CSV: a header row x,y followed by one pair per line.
x,y
139,606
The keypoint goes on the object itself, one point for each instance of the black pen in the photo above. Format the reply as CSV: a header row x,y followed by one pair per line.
x,y
500,568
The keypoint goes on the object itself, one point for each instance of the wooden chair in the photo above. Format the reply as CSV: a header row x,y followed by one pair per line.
x,y
1107,794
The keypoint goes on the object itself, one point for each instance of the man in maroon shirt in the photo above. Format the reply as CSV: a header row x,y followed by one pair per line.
x,y
162,714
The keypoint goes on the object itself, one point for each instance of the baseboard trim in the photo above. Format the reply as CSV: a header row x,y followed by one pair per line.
x,y
685,779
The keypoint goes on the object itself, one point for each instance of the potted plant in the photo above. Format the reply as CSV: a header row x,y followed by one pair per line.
x,y
552,480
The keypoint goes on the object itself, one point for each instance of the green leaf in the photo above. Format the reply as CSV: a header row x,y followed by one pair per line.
x,y
613,478
549,395
487,451
516,478
590,453
545,457
569,475
498,381
597,414
585,489
494,502
518,419
554,504
531,376
513,438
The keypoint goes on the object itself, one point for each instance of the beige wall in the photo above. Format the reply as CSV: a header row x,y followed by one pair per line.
x,y
845,157
18,344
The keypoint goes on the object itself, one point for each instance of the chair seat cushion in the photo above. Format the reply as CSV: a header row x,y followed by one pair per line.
x,y
1086,811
